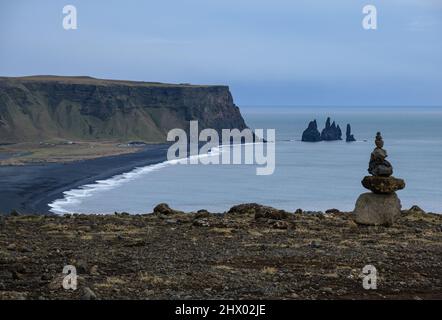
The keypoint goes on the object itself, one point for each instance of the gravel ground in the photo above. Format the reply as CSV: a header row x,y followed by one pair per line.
x,y
251,252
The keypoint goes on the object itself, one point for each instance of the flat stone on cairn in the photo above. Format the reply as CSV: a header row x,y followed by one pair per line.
x,y
383,206
383,185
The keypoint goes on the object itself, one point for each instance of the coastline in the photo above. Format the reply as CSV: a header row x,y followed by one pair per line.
x,y
30,188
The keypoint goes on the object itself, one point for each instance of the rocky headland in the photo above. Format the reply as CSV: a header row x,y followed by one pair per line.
x,y
64,119
41,108
249,252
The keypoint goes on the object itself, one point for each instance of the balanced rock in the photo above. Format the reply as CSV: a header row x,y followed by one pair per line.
x,y
378,165
382,207
377,209
383,185
311,134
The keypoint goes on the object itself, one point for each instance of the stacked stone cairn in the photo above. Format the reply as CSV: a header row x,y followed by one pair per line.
x,y
381,206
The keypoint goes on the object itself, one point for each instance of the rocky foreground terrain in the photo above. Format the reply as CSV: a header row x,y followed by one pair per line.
x,y
251,252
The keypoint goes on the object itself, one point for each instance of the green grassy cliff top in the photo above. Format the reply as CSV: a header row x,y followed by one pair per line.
x,y
101,82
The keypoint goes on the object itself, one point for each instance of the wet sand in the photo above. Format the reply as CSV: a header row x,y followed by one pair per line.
x,y
30,188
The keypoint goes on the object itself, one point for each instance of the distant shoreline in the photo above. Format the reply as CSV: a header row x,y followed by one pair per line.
x,y
30,188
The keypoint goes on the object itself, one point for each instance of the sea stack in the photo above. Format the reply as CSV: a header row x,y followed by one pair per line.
x,y
381,206
331,132
349,136
311,134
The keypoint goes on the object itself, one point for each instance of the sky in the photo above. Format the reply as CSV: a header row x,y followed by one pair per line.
x,y
270,52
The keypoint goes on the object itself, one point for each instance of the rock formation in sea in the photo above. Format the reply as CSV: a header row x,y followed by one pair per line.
x,y
42,108
349,136
311,134
331,132
381,206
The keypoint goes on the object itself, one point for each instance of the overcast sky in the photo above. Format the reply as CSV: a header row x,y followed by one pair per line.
x,y
270,52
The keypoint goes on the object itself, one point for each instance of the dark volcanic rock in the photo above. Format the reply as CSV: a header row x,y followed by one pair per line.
x,y
349,136
163,208
378,165
311,134
416,209
331,132
222,257
377,209
332,211
383,185
259,211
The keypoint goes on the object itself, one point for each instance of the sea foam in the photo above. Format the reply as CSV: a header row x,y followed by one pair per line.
x,y
76,196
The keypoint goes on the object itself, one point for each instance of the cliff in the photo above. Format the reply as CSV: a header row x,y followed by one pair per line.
x,y
83,108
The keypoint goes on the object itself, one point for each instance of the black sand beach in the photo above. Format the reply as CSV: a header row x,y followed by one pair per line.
x,y
30,188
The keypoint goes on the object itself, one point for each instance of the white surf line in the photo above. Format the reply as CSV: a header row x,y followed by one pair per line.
x,y
76,196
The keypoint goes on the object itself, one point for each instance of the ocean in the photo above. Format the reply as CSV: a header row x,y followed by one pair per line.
x,y
310,176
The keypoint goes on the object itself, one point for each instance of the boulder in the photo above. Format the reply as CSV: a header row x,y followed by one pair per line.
x,y
259,211
247,208
416,209
377,209
163,208
383,185
311,134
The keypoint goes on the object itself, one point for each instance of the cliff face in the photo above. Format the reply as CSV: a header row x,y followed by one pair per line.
x,y
47,107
